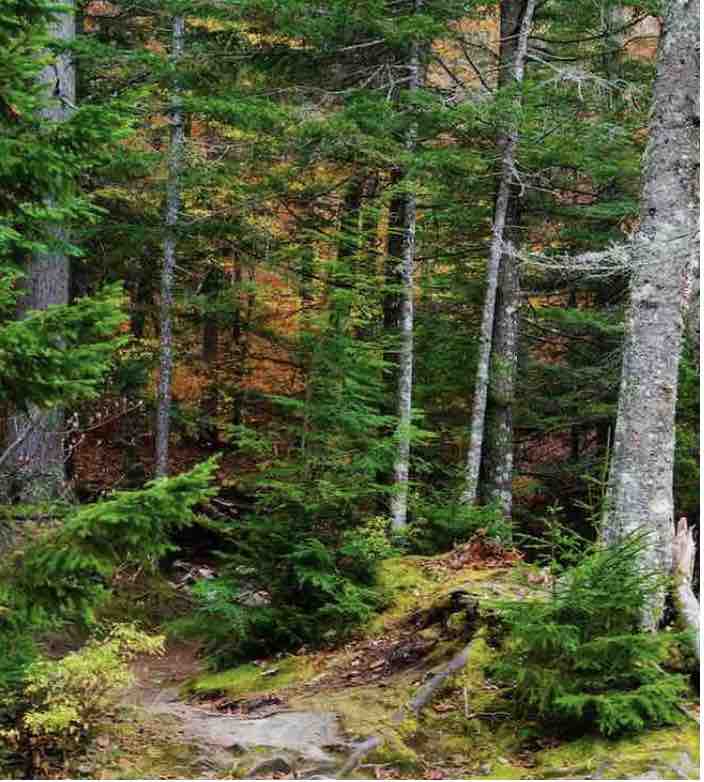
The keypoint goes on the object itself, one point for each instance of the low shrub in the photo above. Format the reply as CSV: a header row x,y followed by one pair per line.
x,y
579,660
441,520
308,595
63,701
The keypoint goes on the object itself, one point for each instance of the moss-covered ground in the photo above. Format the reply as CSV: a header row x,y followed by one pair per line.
x,y
466,731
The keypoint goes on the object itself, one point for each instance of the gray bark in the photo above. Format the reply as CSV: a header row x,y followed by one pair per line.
x,y
497,457
640,484
399,496
35,467
173,208
692,317
497,250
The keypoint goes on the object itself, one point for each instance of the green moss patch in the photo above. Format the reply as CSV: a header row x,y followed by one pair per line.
x,y
252,678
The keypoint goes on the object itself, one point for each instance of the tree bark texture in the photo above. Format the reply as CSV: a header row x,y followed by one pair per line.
x,y
173,208
497,458
35,467
405,269
640,495
497,250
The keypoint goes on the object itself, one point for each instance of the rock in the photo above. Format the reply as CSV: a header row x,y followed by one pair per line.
x,y
684,767
305,733
269,767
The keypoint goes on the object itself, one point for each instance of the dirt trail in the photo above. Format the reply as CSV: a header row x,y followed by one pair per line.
x,y
295,738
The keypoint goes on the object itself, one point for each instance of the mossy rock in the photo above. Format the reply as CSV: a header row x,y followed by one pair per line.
x,y
668,753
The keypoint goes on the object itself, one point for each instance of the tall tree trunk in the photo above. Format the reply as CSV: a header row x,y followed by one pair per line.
x,y
212,287
640,484
497,458
241,323
404,273
497,250
367,266
391,303
140,302
347,248
614,18
36,466
173,208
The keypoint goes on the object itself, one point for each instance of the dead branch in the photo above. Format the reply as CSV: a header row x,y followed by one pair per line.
x,y
415,706
686,603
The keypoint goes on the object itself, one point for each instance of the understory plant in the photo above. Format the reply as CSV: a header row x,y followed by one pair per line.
x,y
441,521
578,661
63,573
63,701
310,591
300,569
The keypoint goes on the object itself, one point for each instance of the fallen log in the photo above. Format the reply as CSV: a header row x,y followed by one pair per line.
x,y
686,603
415,706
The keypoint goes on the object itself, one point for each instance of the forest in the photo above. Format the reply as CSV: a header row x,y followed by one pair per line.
x,y
349,389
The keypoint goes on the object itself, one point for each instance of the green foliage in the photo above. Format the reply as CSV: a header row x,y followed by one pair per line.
x,y
67,570
579,661
59,355
63,575
441,520
558,547
296,594
64,700
366,545
687,461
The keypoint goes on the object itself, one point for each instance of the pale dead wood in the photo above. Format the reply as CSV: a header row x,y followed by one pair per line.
x,y
686,603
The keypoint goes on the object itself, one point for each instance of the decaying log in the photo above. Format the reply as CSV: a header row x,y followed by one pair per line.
x,y
686,603
414,706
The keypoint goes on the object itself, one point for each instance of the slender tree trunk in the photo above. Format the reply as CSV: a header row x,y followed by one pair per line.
x,y
173,208
497,458
391,304
348,246
367,266
212,287
640,483
614,19
36,466
405,269
498,249
140,302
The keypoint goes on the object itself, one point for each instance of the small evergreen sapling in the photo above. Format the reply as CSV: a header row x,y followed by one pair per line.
x,y
579,658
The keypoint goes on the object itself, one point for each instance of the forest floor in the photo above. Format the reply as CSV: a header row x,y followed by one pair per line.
x,y
302,715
